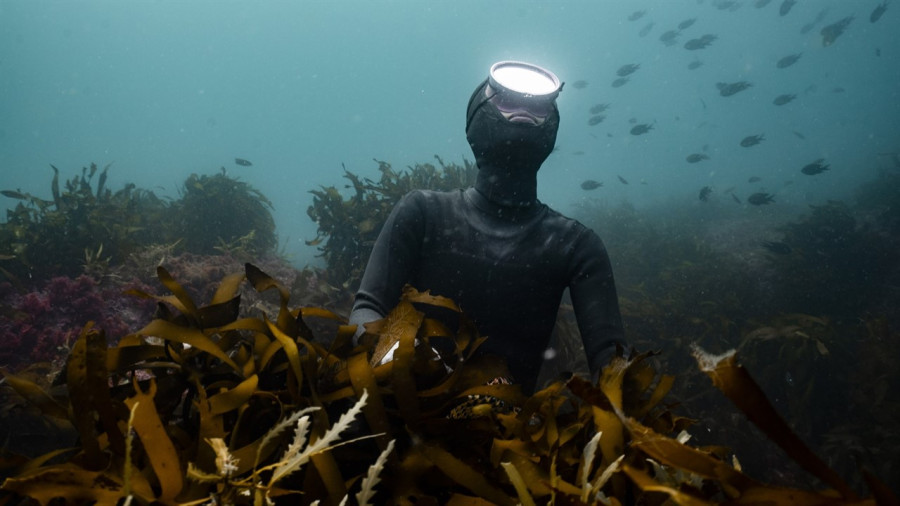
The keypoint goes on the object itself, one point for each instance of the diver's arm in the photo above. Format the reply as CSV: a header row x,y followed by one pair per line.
x,y
393,261
594,298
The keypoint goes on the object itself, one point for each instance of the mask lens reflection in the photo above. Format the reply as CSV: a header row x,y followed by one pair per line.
x,y
512,103
527,80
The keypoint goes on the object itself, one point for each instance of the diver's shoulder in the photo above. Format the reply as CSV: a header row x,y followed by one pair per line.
x,y
432,197
556,216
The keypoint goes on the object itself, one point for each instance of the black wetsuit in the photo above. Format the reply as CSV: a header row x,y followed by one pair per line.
x,y
507,268
497,251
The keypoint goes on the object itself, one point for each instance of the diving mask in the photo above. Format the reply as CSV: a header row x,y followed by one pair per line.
x,y
522,92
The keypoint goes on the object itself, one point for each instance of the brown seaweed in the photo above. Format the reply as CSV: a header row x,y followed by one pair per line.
x,y
210,397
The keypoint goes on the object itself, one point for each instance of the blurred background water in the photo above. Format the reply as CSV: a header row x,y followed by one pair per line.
x,y
163,89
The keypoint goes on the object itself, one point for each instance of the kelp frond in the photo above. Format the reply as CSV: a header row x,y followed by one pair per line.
x,y
202,412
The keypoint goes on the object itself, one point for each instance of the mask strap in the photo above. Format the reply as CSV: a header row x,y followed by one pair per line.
x,y
479,106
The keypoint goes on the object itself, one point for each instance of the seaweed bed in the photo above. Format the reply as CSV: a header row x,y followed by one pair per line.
x,y
241,386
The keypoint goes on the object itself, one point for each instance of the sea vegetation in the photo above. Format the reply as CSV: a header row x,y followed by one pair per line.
x,y
83,222
219,213
830,249
827,366
86,226
203,406
348,226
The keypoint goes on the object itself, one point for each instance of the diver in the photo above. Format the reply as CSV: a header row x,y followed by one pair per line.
x,y
503,256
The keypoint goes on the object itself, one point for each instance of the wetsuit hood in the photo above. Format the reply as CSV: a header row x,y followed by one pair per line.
x,y
508,154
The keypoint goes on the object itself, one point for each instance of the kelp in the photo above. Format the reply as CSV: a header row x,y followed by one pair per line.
x,y
87,227
348,226
204,405
220,213
830,248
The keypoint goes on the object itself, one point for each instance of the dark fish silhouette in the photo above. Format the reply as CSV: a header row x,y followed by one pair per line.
x,y
622,179
735,198
687,23
596,119
599,108
786,7
580,84
704,193
877,13
728,5
784,99
641,129
627,69
694,65
696,157
618,83
816,167
754,179
831,32
752,140
590,184
636,15
761,3
777,247
242,162
701,43
788,60
645,30
759,199
729,89
799,135
669,37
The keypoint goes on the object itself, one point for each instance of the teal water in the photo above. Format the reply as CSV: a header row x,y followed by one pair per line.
x,y
163,89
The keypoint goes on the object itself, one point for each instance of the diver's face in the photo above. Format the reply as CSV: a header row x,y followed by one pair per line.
x,y
518,109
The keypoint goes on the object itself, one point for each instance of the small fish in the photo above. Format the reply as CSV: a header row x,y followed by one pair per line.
x,y
752,140
729,89
618,83
599,108
580,84
622,179
694,65
704,193
242,162
877,13
641,129
636,15
645,30
761,3
670,37
816,167
701,43
628,69
754,179
799,135
788,60
760,198
786,7
784,99
590,184
687,23
696,157
596,119
831,32
735,198
777,247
